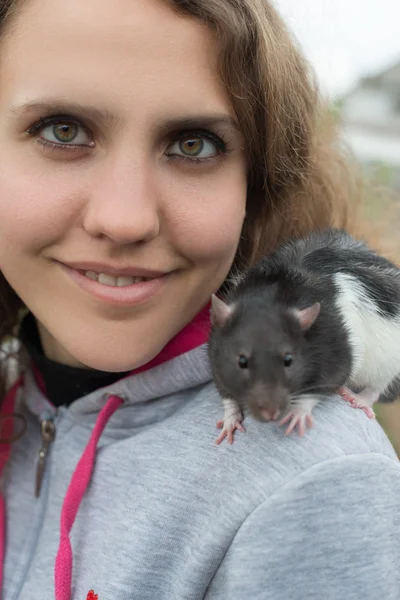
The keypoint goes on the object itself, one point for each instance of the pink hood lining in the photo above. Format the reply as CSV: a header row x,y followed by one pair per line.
x,y
193,335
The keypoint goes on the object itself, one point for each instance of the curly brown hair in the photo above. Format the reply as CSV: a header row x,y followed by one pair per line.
x,y
299,175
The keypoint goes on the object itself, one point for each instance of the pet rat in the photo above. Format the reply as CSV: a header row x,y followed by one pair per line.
x,y
317,317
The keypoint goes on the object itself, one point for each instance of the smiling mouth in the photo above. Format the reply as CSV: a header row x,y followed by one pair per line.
x,y
118,286
112,281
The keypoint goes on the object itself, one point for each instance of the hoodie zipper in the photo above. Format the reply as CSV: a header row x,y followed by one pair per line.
x,y
48,433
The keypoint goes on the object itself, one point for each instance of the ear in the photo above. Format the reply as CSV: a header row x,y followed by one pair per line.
x,y
220,311
307,316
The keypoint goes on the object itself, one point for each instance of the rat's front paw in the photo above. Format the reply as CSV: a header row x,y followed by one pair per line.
x,y
300,415
228,425
299,420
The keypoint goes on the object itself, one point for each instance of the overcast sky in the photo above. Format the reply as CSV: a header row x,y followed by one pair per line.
x,y
345,39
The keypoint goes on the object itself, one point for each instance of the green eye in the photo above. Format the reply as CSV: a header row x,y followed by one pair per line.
x,y
65,132
287,360
243,361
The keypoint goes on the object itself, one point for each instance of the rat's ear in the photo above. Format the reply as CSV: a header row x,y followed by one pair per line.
x,y
307,316
220,311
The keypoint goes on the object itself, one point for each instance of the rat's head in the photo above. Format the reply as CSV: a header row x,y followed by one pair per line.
x,y
258,352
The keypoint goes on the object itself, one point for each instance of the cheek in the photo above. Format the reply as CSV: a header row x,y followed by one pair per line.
x,y
207,223
296,377
33,210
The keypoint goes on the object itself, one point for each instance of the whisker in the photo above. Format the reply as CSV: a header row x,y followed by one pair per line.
x,y
297,399
311,388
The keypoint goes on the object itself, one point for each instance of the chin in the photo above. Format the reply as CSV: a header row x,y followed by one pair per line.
x,y
111,366
113,360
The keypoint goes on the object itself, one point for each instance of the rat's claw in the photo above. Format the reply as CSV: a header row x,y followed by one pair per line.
x,y
368,411
221,436
361,400
299,419
310,420
295,420
286,419
348,396
228,426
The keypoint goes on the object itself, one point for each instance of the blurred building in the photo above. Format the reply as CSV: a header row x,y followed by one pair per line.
x,y
371,115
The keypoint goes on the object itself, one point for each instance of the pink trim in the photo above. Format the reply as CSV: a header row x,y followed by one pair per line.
x,y
39,379
193,335
2,539
6,432
76,490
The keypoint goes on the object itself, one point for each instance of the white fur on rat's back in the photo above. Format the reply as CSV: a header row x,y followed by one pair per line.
x,y
374,339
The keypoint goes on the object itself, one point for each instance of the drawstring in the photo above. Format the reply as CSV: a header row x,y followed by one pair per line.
x,y
192,336
76,490
6,433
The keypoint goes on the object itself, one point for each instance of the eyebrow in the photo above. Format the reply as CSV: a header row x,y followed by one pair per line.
x,y
47,107
95,114
198,121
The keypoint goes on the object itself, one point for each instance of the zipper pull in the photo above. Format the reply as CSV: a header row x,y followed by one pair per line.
x,y
48,431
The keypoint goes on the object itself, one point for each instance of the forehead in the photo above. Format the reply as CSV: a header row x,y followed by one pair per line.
x,y
119,51
266,325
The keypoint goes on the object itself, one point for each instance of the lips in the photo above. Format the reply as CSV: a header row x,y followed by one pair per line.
x,y
117,285
113,270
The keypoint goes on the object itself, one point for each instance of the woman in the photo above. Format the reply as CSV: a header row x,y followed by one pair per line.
x,y
146,150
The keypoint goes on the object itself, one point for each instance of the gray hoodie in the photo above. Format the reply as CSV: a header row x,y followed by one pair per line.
x,y
167,514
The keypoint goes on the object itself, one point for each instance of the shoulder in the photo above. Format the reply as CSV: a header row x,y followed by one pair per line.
x,y
264,459
326,519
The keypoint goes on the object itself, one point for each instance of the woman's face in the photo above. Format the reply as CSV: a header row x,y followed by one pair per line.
x,y
119,155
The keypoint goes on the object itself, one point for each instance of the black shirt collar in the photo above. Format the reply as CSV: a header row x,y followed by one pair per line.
x,y
63,384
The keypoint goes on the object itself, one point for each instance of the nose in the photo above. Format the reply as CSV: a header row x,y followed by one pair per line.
x,y
123,203
268,401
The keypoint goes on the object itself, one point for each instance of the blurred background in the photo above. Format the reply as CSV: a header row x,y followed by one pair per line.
x,y
354,46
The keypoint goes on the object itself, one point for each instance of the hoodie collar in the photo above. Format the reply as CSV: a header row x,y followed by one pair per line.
x,y
182,364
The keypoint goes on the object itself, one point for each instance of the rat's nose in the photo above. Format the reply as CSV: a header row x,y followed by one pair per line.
x,y
270,415
267,402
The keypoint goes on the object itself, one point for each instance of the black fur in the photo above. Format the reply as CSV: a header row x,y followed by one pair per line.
x,y
300,273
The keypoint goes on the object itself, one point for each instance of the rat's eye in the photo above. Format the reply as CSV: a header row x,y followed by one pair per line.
x,y
243,361
287,359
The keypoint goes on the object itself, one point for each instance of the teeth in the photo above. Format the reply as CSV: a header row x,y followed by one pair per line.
x,y
91,275
113,281
106,279
121,281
